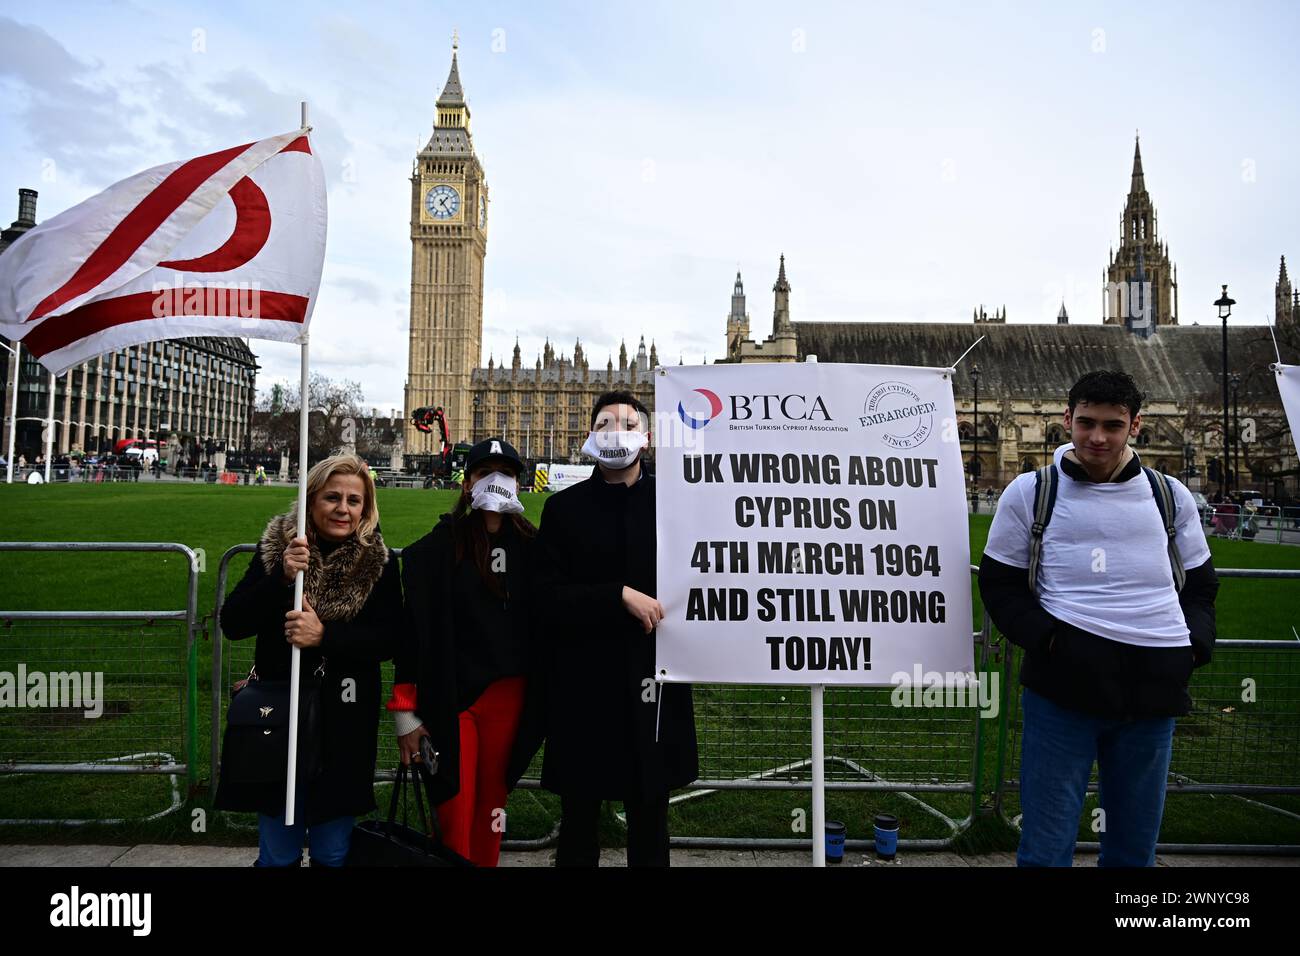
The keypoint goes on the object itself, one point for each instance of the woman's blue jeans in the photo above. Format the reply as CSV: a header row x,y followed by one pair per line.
x,y
280,845
1058,749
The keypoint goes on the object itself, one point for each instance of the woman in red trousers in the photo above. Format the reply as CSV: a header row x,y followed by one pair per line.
x,y
463,662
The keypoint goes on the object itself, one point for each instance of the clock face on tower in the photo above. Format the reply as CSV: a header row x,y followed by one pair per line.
x,y
442,201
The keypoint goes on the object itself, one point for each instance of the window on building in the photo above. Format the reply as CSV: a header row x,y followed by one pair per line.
x,y
573,420
550,420
501,420
550,398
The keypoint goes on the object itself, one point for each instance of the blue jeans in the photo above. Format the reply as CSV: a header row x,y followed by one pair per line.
x,y
280,845
1058,748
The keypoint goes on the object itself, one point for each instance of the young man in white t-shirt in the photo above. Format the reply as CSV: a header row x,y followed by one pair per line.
x,y
1109,642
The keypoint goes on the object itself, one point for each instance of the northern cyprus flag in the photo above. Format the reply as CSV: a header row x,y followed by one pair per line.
x,y
227,244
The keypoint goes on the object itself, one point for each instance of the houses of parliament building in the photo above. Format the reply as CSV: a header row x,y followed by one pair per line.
x,y
1023,371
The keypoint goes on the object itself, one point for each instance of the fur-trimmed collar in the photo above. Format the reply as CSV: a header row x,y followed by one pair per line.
x,y
337,584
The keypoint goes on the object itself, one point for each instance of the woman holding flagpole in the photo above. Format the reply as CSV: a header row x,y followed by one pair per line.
x,y
351,613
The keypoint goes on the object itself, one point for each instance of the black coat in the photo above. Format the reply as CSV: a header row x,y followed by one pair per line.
x,y
1084,672
595,538
368,588
426,653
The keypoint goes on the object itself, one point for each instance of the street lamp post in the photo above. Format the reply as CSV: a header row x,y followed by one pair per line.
x,y
13,412
1225,309
49,434
1235,381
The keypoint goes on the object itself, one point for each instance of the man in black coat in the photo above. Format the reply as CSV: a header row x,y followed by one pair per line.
x,y
612,733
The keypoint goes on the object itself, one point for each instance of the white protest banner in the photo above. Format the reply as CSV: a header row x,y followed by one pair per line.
x,y
812,525
1288,384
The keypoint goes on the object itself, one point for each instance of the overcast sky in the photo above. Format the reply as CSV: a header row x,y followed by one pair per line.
x,y
911,163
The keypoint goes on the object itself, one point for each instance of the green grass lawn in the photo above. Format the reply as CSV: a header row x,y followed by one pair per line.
x,y
742,730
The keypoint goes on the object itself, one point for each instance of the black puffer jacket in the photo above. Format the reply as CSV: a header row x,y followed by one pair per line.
x,y
1091,674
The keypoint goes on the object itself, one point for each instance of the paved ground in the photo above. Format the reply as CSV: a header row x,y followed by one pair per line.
x,y
162,855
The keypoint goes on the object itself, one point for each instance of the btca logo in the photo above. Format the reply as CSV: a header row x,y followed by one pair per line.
x,y
697,418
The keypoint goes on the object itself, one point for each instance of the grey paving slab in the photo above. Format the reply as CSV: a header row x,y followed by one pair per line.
x,y
162,855
1216,859
22,854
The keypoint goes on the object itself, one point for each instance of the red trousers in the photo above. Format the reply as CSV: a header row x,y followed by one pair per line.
x,y
472,821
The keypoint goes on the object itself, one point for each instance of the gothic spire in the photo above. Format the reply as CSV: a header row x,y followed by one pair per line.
x,y
782,284
452,94
1137,191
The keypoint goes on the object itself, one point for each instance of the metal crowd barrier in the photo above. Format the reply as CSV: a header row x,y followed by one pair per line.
x,y
147,701
753,738
1269,523
1241,739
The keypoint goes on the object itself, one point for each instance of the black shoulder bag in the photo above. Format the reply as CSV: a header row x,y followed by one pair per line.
x,y
255,749
390,843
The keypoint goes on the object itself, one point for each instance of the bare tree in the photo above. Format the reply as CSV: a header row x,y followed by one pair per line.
x,y
333,411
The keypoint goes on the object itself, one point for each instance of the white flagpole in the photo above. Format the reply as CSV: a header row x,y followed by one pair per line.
x,y
818,764
49,435
13,412
295,665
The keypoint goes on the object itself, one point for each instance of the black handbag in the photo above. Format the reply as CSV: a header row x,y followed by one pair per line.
x,y
255,749
392,843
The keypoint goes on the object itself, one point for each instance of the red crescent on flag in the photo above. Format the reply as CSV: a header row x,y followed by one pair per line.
x,y
137,226
140,223
252,226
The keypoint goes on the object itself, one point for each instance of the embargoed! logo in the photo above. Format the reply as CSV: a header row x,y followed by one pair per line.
x,y
698,420
908,420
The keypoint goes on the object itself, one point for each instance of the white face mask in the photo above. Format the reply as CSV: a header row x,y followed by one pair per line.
x,y
614,450
497,492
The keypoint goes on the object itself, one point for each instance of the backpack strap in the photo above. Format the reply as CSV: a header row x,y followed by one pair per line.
x,y
1045,483
1168,505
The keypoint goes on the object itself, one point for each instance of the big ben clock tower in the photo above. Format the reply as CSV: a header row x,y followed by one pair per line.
x,y
449,200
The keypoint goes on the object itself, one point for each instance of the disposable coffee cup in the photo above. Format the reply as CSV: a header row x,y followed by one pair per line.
x,y
886,835
835,841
